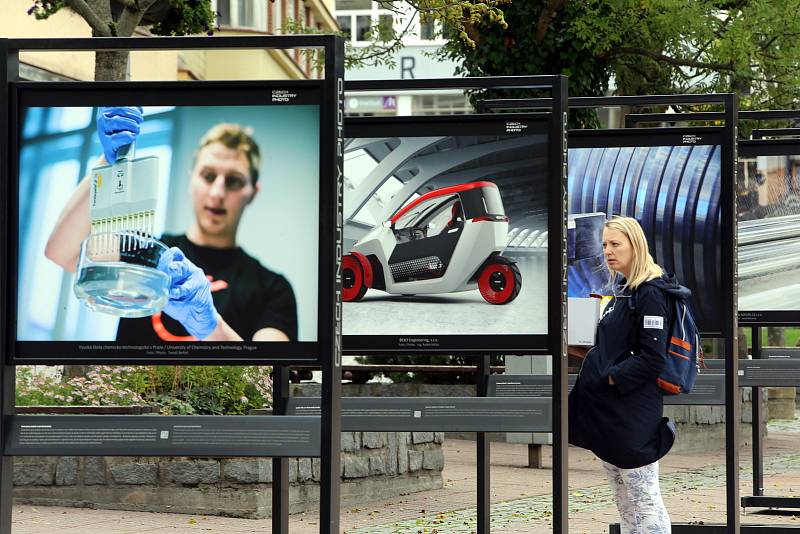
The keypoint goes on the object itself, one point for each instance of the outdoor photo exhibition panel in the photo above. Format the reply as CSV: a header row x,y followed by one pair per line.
x,y
446,234
669,179
431,205
275,280
99,284
768,206
716,322
695,207
768,193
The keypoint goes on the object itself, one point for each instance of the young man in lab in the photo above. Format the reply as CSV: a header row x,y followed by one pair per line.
x,y
217,292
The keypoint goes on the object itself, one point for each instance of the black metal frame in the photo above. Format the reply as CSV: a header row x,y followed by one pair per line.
x,y
25,95
632,119
557,301
760,146
328,354
728,268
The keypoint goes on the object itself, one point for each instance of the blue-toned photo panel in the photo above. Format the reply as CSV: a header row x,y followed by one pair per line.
x,y
673,191
276,224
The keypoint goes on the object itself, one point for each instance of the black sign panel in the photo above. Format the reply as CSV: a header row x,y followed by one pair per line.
x,y
271,436
783,353
435,414
772,372
709,388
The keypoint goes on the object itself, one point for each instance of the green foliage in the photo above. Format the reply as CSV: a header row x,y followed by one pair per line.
x,y
102,386
183,17
385,39
187,17
175,390
643,47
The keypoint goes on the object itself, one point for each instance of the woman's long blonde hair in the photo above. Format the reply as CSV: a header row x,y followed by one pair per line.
x,y
643,267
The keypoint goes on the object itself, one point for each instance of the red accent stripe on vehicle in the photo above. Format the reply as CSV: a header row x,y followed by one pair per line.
x,y
666,386
678,355
681,343
494,218
441,192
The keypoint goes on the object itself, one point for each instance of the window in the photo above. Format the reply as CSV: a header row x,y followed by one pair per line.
x,y
427,30
243,14
362,20
363,24
345,25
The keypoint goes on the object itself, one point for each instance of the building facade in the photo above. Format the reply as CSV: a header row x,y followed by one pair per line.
x,y
361,19
237,17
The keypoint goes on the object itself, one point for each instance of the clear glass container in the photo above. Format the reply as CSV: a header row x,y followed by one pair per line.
x,y
118,275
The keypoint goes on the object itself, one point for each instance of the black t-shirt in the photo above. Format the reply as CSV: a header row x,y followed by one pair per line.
x,y
246,294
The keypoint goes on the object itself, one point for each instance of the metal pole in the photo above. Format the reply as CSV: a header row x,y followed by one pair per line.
x,y
280,466
9,71
729,329
557,311
483,456
758,436
332,123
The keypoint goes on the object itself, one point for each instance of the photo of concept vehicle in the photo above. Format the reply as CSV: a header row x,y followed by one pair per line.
x,y
447,240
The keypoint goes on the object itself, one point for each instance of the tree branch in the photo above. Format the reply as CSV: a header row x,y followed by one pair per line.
x,y
82,8
658,56
131,16
547,17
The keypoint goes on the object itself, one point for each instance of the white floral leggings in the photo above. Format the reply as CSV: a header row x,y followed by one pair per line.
x,y
639,501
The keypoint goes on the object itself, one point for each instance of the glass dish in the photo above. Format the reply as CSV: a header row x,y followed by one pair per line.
x,y
118,275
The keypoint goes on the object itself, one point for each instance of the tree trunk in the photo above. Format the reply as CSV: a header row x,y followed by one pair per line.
x,y
111,65
775,336
742,344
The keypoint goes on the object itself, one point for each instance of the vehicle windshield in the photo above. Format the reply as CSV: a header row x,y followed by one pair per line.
x,y
417,216
492,201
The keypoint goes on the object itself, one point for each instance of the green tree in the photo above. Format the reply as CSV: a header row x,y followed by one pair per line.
x,y
641,47
119,18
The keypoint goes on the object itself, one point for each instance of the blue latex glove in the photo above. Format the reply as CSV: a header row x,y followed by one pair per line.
x,y
118,127
190,301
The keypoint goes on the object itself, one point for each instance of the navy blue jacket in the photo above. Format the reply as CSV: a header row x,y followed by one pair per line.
x,y
623,424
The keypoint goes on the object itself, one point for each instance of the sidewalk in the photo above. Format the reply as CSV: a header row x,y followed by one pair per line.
x,y
693,487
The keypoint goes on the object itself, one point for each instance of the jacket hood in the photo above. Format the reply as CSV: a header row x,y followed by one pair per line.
x,y
669,284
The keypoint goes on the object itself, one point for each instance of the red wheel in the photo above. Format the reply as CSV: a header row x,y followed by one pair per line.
x,y
353,286
499,283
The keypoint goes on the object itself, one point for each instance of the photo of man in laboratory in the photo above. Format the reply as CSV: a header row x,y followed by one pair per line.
x,y
215,290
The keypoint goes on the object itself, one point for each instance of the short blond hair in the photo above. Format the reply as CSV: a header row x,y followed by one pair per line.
x,y
643,266
235,137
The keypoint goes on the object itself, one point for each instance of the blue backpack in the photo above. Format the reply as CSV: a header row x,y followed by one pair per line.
x,y
684,351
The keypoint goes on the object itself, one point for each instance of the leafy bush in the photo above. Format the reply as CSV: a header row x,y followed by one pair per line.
x,y
193,390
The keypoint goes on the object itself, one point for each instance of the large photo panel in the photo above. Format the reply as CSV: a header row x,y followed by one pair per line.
x,y
667,179
199,240
768,209
445,233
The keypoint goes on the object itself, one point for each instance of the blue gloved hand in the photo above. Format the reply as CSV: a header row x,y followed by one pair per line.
x,y
117,127
190,301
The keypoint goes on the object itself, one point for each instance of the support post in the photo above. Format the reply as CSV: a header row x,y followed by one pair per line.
x,y
280,466
484,485
331,341
729,328
557,319
758,435
9,72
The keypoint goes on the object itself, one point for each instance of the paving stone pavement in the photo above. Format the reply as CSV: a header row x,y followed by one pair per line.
x,y
693,487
